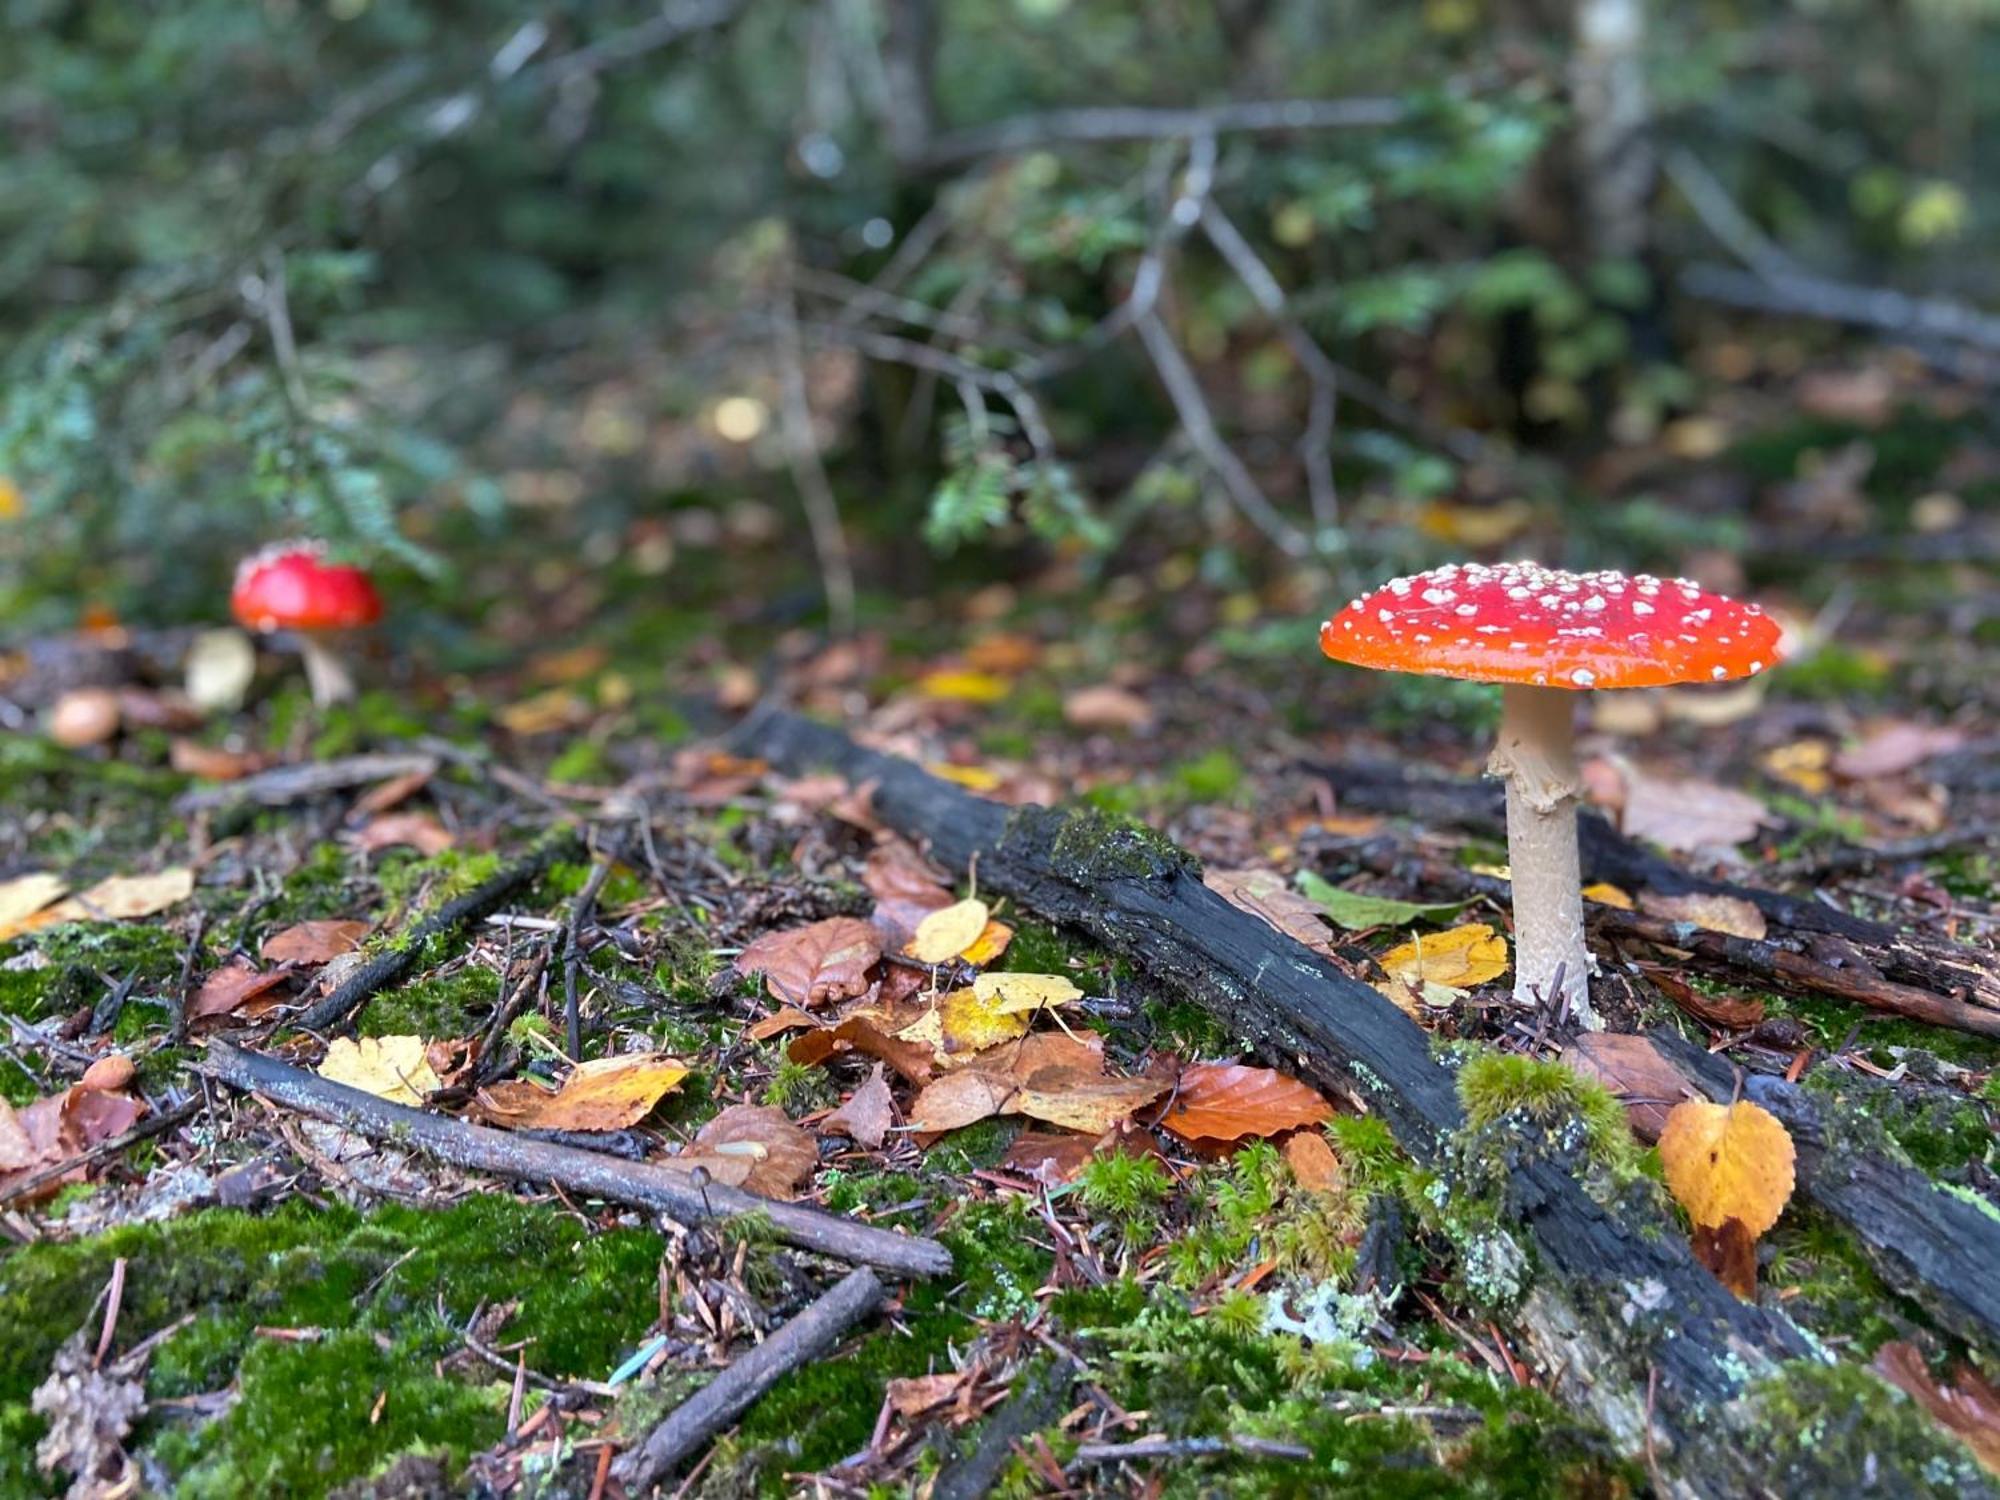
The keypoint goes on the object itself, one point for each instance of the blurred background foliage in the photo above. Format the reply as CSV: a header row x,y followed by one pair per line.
x,y
919,277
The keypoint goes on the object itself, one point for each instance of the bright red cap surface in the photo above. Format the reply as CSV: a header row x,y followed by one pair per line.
x,y
1521,622
294,587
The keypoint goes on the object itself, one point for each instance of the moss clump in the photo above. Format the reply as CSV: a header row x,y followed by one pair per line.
x,y
447,1005
1504,1091
1089,848
372,1285
1940,1131
1824,1426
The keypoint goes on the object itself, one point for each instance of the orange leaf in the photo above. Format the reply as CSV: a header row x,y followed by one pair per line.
x,y
235,984
814,964
314,942
1228,1101
1727,1162
1313,1163
419,831
1731,1253
1970,1408
859,1034
608,1093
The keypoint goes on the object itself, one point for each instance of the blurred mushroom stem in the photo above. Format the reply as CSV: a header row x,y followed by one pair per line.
x,y
1536,756
326,672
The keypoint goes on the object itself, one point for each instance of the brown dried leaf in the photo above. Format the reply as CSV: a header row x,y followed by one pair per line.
x,y
785,1018
314,942
814,964
1688,815
756,1147
1049,1159
384,795
1633,1069
1730,1251
1107,706
1734,1012
212,762
859,1034
1264,893
1716,912
958,1099
419,831
1229,1101
607,1093
1086,1101
235,984
16,1150
1969,1408
1313,1163
1892,748
866,1116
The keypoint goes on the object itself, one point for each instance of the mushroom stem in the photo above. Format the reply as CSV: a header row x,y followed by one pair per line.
x,y
326,673
1536,756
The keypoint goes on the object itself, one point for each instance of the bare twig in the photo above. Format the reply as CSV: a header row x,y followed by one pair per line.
x,y
654,1186
691,1425
1890,312
1068,127
1142,1449
284,784
829,539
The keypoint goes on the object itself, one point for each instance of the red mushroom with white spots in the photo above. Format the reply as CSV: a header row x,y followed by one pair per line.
x,y
1544,634
293,587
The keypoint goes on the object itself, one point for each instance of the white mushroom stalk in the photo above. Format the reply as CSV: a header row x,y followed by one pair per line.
x,y
1535,755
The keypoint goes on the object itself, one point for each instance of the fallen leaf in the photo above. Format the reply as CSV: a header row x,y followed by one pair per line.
x,y
897,876
1264,894
1458,959
89,1408
390,1067
232,986
1607,894
1727,1162
58,1127
914,1395
1634,1070
606,1093
959,1099
1107,706
544,713
1717,913
814,964
755,1147
785,1018
123,897
1229,1101
964,1022
972,778
964,686
1313,1163
1803,763
1890,749
1080,1100
1011,993
1049,1159
1077,1051
1730,1252
989,945
397,790
911,1060
23,900
1732,1011
213,762
314,942
866,1115
1356,910
947,932
418,831
1969,1408
1688,815
1003,652
16,1150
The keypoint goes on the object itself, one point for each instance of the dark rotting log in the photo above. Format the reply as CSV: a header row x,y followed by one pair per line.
x,y
1626,1325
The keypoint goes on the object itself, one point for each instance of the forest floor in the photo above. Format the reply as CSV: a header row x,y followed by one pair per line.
x,y
1157,1278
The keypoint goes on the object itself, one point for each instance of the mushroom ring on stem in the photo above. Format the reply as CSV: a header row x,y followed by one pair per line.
x,y
293,587
1544,634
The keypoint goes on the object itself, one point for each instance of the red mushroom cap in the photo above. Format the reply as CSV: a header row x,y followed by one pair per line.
x,y
1523,623
294,587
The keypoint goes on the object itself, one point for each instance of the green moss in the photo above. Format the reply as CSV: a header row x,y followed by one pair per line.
x,y
1216,776
1941,1132
1835,674
1501,1088
450,1005
1822,1425
1088,847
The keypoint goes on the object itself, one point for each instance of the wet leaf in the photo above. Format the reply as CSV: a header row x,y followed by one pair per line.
x,y
1969,1408
866,1115
314,942
814,964
607,1093
390,1067
1458,959
1717,913
755,1147
1313,1163
1233,1101
1263,893
1011,993
1356,910
947,932
1634,1070
1727,1162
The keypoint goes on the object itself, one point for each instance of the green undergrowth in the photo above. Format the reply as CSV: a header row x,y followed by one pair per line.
x,y
366,1289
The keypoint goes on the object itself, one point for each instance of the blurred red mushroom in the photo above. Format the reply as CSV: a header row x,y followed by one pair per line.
x,y
1544,634
293,587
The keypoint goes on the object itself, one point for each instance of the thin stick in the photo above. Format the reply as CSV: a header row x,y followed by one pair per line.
x,y
1059,127
1188,1447
690,1426
829,538
645,1185
286,784
389,968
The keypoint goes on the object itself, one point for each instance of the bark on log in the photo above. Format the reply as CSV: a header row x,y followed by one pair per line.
x,y
1627,1326
1935,1246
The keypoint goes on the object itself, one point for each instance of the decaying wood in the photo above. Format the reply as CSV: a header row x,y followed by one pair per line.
x,y
1937,1247
1913,959
642,1184
388,968
1624,1323
689,1427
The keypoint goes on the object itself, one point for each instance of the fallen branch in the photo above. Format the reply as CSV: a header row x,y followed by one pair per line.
x,y
287,784
1141,1450
1891,312
478,1148
689,1427
385,969
1071,127
1675,1373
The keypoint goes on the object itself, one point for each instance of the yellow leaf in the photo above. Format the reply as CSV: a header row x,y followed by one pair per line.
x,y
964,687
948,932
23,900
1727,1162
607,1093
1008,993
12,505
122,897
390,1067
965,1021
1607,894
972,778
989,945
1458,959
1804,763
544,713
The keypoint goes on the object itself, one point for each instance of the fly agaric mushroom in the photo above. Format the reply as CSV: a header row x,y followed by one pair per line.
x,y
293,587
1544,634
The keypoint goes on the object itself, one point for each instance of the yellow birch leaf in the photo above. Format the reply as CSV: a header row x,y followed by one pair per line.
x,y
1459,959
1607,894
989,945
122,897
1727,1162
964,1021
1008,993
964,687
948,932
389,1067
